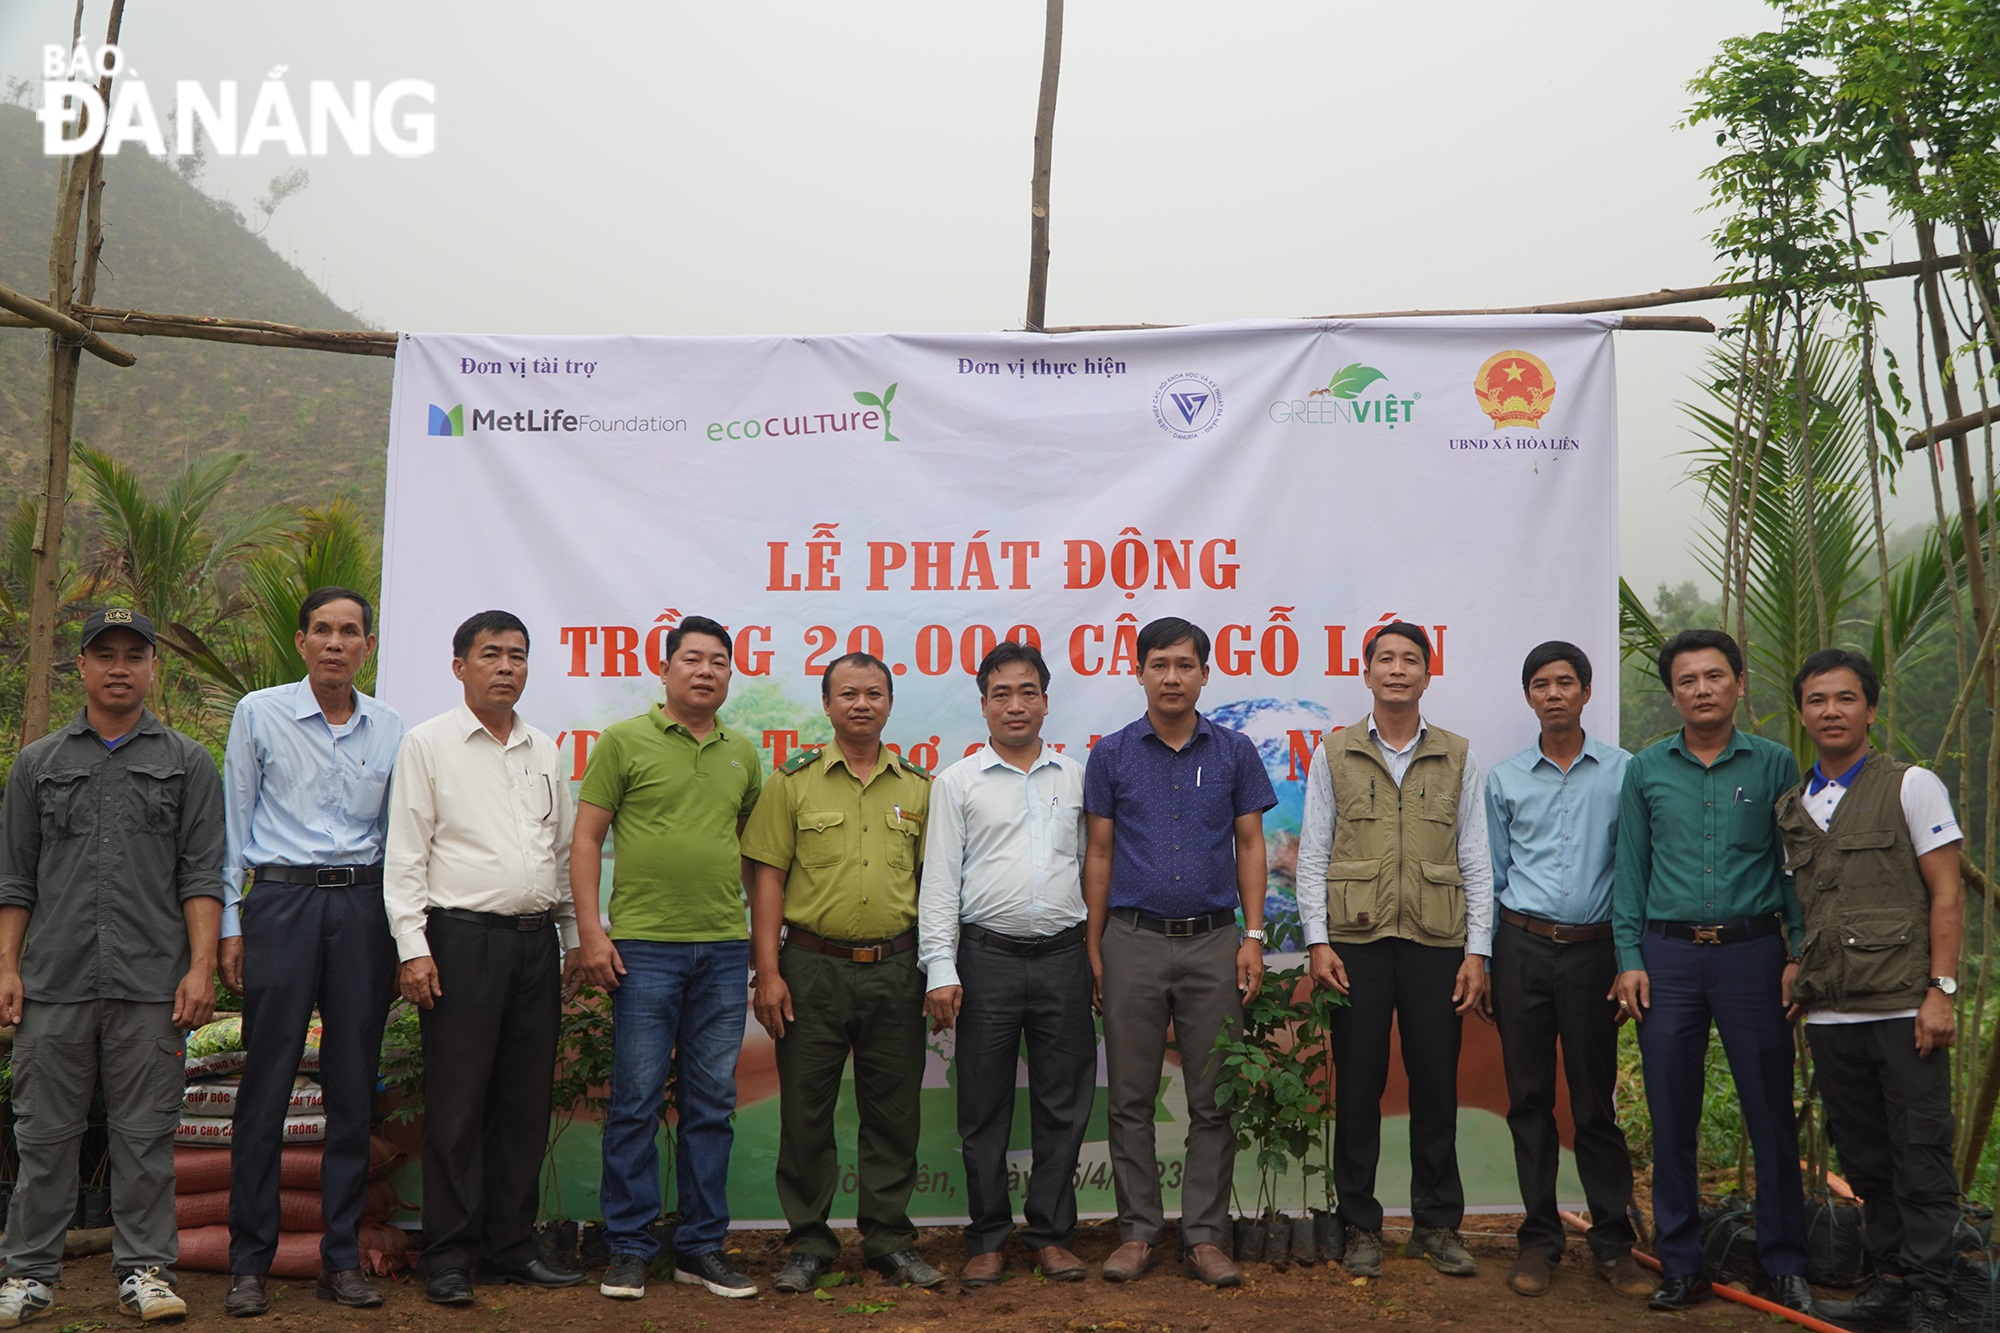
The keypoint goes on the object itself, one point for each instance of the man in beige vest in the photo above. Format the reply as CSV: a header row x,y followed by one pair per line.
x,y
1873,847
1395,892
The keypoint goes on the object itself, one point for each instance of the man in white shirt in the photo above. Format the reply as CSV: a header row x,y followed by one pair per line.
x,y
1395,891
476,880
1873,847
1000,937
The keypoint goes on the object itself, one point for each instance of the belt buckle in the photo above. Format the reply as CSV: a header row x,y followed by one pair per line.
x,y
1708,934
1559,933
873,953
333,877
1179,928
528,923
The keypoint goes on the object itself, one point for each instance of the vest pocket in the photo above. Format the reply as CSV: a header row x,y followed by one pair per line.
x,y
1884,951
1441,900
1355,900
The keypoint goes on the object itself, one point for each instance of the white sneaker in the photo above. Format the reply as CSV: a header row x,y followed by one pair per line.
x,y
146,1293
22,1299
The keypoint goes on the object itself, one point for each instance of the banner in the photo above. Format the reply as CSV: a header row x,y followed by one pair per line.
x,y
1287,486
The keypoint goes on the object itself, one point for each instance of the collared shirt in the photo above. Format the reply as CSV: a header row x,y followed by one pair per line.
x,y
1005,853
298,792
1316,823
103,846
1700,844
1554,834
849,849
1174,813
1928,818
477,824
675,798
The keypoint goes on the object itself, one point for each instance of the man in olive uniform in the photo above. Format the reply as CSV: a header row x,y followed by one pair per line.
x,y
838,838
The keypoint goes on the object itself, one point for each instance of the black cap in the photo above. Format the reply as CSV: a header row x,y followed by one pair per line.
x,y
118,617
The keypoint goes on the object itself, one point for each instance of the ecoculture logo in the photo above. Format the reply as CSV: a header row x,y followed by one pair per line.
x,y
1339,402
1187,406
362,116
448,423
813,423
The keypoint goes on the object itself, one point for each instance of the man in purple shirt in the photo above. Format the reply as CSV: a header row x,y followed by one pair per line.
x,y
1175,813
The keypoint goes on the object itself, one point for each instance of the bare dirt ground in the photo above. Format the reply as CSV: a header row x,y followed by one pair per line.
x,y
1280,1300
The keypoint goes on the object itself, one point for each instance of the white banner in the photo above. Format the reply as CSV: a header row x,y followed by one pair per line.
x,y
1287,486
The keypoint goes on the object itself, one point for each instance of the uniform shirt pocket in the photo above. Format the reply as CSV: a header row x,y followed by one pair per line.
x,y
59,797
822,841
904,833
157,789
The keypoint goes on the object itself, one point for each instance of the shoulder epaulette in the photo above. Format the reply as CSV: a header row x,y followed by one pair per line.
x,y
799,762
913,766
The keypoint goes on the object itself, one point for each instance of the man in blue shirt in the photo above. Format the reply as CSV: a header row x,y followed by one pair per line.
x,y
305,775
1552,818
1174,808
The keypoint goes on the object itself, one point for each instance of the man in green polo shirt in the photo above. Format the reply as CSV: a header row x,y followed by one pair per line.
x,y
1706,923
674,788
838,838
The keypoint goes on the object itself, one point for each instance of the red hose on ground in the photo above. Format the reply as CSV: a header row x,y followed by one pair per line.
x,y
1730,1293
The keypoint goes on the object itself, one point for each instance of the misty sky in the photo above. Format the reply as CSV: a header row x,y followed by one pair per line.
x,y
796,166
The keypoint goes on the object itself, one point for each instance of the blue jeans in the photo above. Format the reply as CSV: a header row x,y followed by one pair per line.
x,y
684,1004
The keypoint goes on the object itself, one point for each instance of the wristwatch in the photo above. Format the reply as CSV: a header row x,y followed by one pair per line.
x,y
1949,985
1258,935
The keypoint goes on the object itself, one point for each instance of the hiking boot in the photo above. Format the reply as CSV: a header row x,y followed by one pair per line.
x,y
1444,1248
145,1292
1364,1252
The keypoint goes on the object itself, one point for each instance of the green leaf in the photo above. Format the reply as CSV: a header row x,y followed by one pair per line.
x,y
826,1280
1349,381
867,399
889,395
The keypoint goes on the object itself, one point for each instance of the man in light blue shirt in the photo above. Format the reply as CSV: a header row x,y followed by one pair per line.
x,y
305,778
1000,937
1552,817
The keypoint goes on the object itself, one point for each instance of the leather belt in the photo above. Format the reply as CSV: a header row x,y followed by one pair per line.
x,y
1733,932
499,920
1023,948
1175,927
1557,932
854,951
319,877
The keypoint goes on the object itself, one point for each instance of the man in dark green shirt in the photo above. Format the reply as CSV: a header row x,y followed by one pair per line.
x,y
1706,925
673,788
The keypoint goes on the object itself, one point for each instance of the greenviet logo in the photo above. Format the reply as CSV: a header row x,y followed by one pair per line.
x,y
1340,402
867,399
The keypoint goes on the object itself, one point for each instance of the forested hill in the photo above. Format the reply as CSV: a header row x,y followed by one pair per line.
x,y
311,424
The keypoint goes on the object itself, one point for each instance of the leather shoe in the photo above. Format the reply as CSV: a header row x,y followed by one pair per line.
x,y
1059,1265
1792,1292
538,1273
1531,1273
1681,1293
906,1268
348,1287
1129,1262
1207,1263
1625,1275
983,1270
449,1286
249,1294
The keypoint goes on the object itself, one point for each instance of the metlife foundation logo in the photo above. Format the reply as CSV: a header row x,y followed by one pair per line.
x,y
465,420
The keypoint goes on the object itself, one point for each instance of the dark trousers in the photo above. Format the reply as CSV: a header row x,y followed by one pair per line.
x,y
1045,999
1736,987
875,1011
489,1062
1889,1114
1545,993
1409,984
305,946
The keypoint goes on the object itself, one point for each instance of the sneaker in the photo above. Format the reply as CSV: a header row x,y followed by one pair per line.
x,y
22,1299
712,1270
1444,1248
145,1292
625,1280
1364,1252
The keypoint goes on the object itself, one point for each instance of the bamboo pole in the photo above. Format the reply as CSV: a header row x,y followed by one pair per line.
x,y
34,314
1045,133
1954,429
